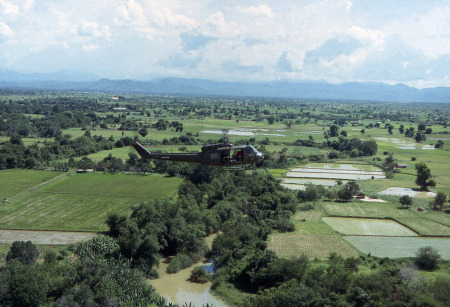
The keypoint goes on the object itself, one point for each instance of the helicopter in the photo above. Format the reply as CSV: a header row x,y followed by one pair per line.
x,y
225,155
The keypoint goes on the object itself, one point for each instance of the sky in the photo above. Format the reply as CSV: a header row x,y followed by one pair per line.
x,y
394,41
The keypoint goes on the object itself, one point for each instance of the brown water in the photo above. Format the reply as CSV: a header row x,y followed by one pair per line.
x,y
179,290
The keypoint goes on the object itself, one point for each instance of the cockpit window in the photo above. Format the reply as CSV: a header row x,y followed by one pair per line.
x,y
253,148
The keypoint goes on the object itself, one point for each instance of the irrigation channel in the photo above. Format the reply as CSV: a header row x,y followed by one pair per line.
x,y
328,174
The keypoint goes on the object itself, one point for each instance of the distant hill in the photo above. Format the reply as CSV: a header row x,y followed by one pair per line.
x,y
66,80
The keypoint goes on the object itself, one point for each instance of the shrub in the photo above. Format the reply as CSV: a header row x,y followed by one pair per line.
x,y
179,262
25,252
427,258
199,275
406,201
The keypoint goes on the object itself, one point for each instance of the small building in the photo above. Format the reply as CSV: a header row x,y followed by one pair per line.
x,y
99,168
399,165
82,171
119,109
360,195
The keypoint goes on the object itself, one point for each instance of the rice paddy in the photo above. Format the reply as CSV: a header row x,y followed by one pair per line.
x,y
407,191
404,143
396,247
368,227
328,174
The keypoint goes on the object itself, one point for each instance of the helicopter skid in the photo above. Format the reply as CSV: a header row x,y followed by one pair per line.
x,y
236,167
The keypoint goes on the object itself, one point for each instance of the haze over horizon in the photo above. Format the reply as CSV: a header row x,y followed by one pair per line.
x,y
336,41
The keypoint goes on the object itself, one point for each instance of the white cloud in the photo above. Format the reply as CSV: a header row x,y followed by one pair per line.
x,y
260,10
335,40
9,8
374,36
5,30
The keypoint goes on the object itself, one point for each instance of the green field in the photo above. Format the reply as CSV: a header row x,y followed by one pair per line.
x,y
312,245
366,209
83,201
367,227
424,223
15,181
395,247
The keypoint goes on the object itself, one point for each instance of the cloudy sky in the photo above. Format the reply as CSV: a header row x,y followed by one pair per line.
x,y
395,41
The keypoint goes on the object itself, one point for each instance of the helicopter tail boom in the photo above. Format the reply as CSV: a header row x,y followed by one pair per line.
x,y
144,153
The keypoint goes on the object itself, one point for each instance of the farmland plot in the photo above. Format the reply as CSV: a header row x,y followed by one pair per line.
x,y
327,174
396,247
83,202
367,209
310,216
15,181
312,245
368,227
425,226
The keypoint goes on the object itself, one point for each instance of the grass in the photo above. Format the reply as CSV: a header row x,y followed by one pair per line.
x,y
15,181
83,201
288,245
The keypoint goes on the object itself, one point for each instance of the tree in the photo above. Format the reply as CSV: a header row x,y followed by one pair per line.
x,y
15,139
143,132
344,194
333,130
390,128
289,123
25,252
424,178
406,201
270,119
427,258
419,137
439,200
344,133
352,187
401,129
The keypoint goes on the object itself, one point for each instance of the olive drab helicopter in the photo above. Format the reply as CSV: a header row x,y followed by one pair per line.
x,y
225,155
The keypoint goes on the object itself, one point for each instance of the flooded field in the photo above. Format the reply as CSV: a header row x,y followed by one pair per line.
x,y
396,247
327,174
406,191
368,227
405,143
230,132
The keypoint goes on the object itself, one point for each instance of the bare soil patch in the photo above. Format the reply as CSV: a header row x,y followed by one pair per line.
x,y
44,237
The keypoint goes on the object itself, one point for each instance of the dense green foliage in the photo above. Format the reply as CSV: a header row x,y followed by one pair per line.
x,y
99,277
427,258
166,227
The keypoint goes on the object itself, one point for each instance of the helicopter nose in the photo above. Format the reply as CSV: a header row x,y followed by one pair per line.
x,y
259,156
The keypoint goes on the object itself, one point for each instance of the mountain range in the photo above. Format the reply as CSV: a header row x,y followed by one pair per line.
x,y
84,81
